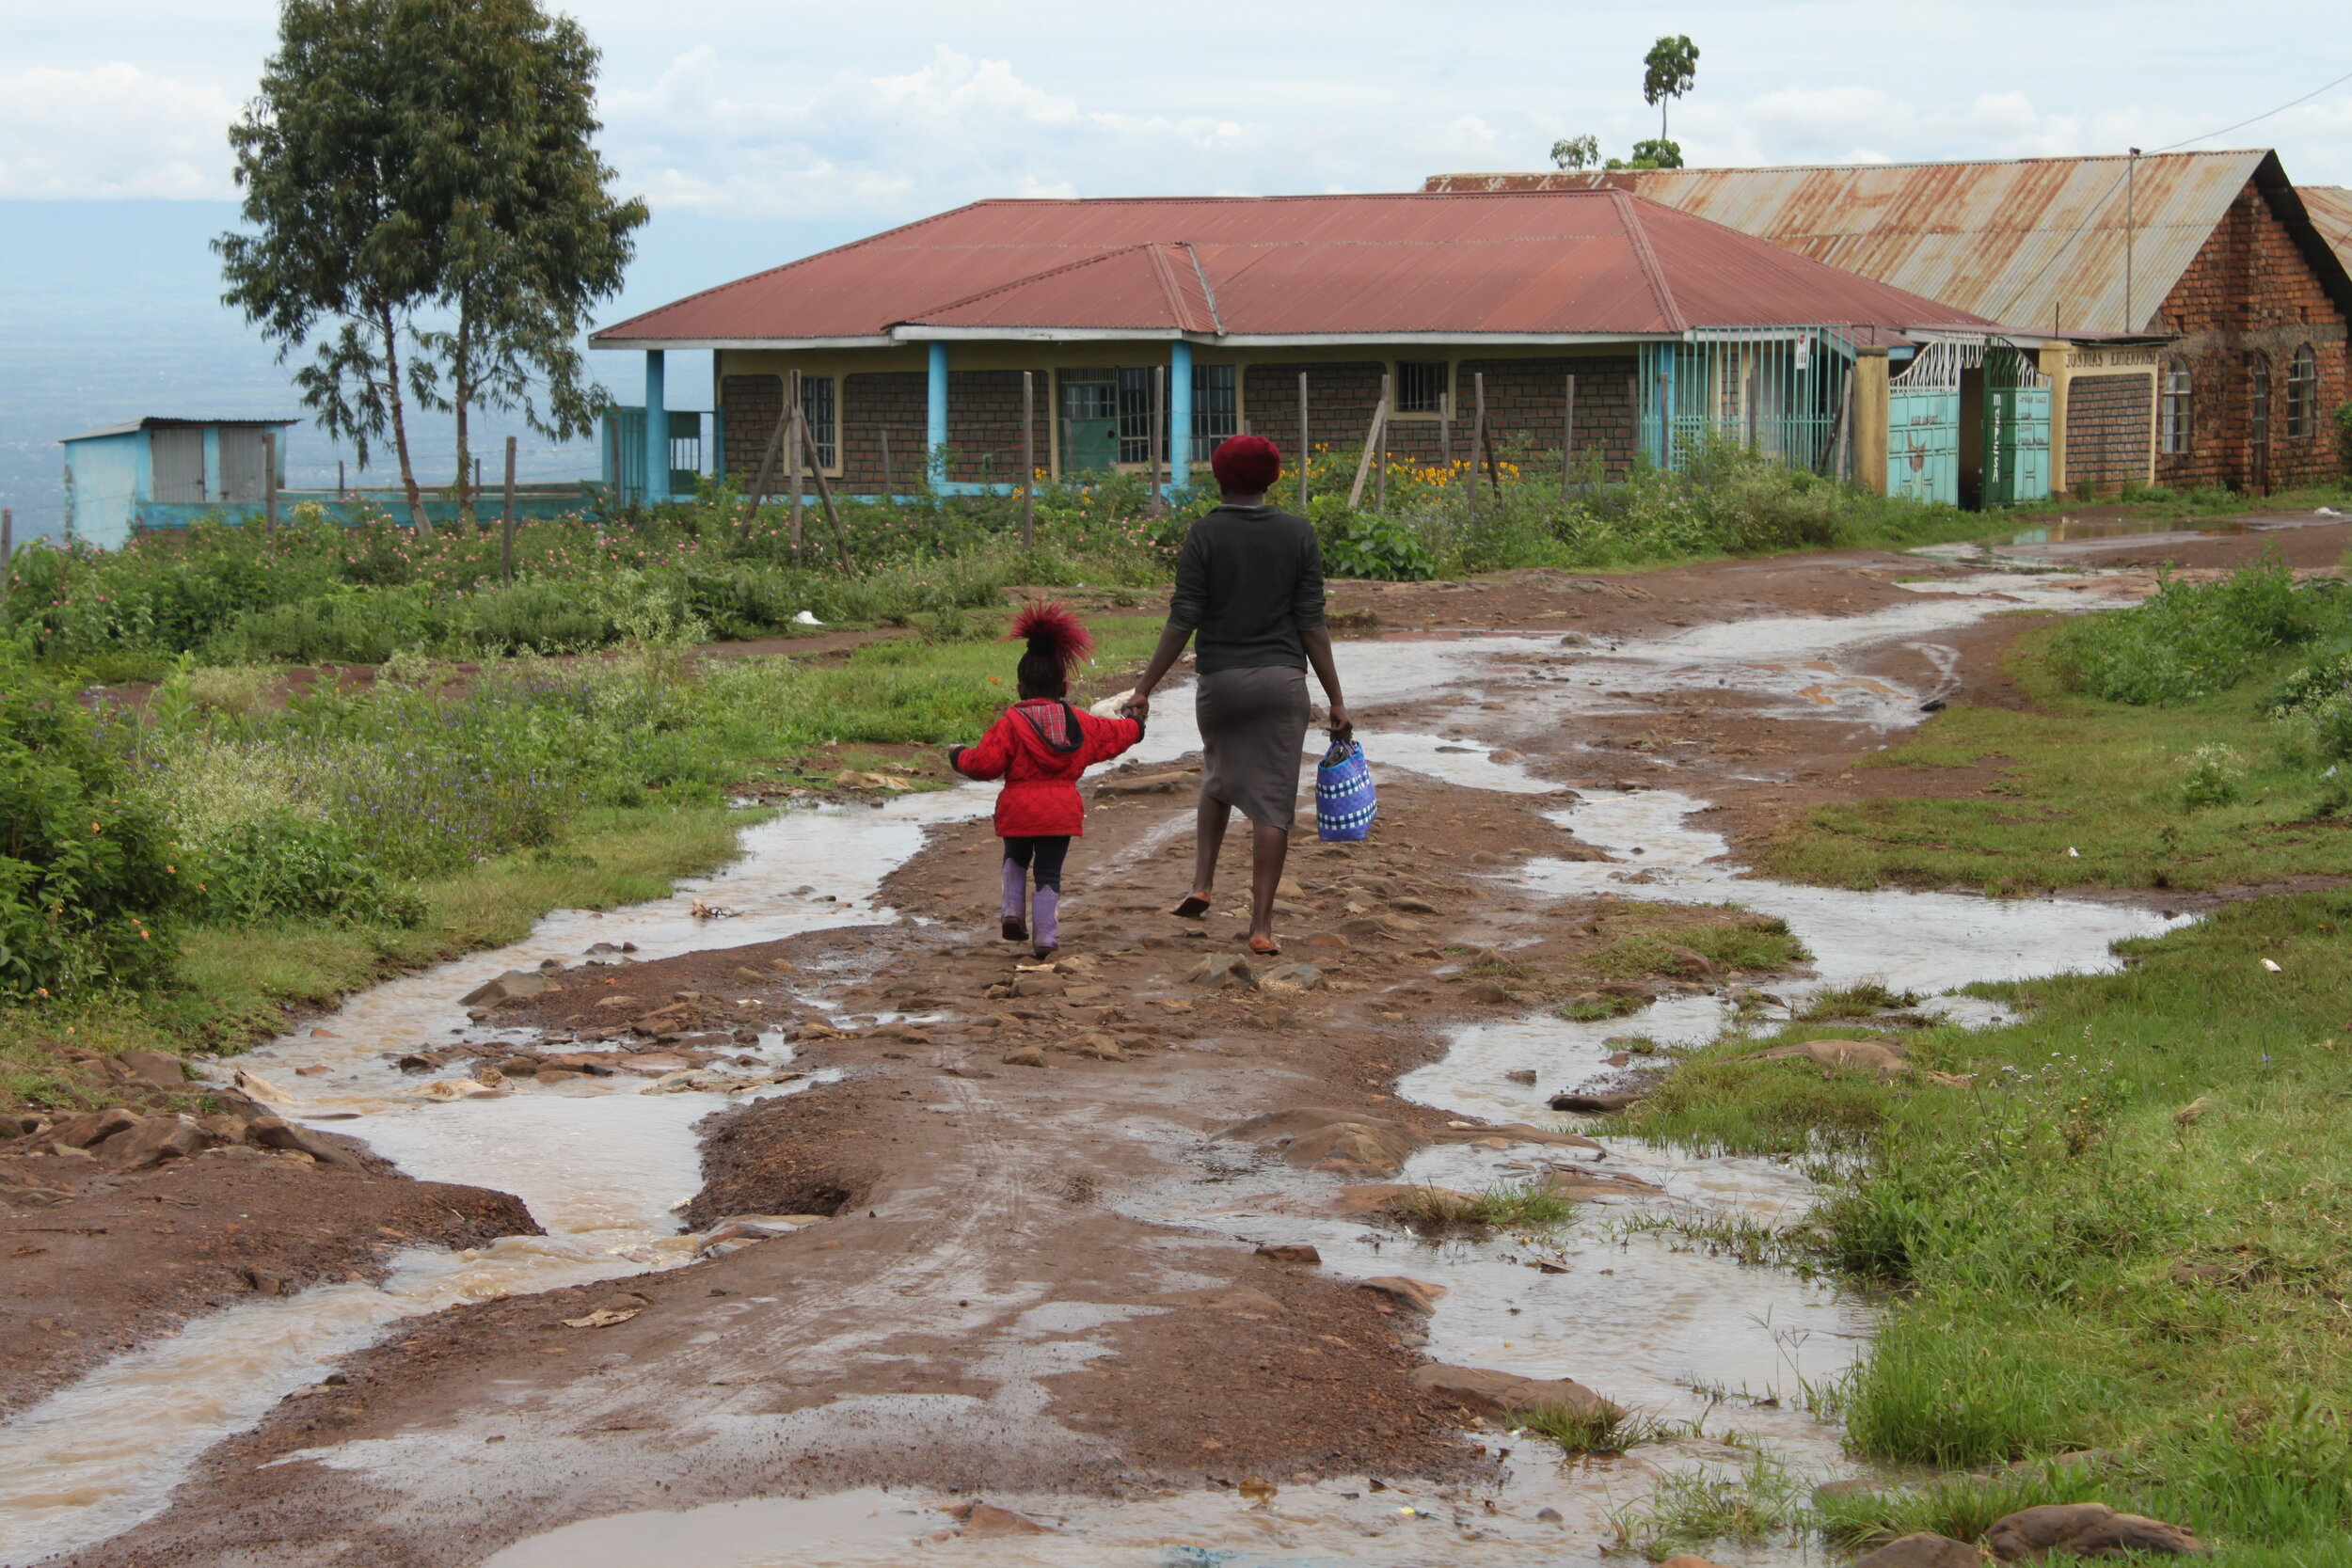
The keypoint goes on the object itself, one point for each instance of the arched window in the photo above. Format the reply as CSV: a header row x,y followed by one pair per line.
x,y
2258,402
2303,394
2173,409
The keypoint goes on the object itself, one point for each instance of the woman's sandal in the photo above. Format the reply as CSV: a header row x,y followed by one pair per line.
x,y
1193,907
1265,947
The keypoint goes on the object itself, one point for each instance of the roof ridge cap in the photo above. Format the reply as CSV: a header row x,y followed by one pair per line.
x,y
1169,294
1653,273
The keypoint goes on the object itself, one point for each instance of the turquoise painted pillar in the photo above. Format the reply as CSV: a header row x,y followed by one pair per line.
x,y
1179,414
657,430
935,425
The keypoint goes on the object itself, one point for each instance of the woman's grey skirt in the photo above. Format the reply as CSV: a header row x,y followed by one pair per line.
x,y
1253,732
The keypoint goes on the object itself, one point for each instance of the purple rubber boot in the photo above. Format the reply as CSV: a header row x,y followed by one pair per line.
x,y
1046,907
1016,895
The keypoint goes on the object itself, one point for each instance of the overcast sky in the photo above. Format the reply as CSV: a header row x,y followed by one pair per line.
x,y
881,110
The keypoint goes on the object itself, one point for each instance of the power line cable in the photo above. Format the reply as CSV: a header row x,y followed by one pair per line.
x,y
2264,115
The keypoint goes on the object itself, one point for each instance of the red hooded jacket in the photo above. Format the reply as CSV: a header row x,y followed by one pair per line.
x,y
1038,748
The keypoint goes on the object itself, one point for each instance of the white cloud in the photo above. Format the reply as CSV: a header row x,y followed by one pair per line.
x,y
111,132
891,147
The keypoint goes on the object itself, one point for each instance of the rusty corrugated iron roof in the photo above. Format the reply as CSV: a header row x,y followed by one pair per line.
x,y
1504,264
2037,243
2330,207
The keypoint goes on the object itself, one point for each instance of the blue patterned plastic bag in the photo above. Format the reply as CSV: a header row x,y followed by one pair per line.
x,y
1345,805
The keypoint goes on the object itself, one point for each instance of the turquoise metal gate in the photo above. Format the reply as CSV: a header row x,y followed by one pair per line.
x,y
1923,427
2016,427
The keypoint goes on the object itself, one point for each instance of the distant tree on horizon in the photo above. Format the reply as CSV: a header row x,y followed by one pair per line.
x,y
429,216
1667,71
1576,151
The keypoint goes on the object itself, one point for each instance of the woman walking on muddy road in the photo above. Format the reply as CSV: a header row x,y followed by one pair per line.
x,y
1249,587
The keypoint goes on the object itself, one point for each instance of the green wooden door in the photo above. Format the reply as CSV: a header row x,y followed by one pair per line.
x,y
1089,427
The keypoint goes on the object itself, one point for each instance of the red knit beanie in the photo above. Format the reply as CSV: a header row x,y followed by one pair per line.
x,y
1247,464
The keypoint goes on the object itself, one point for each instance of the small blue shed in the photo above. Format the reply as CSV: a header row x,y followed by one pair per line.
x,y
164,473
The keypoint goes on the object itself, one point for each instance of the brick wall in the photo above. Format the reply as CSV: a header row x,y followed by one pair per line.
x,y
896,401
750,404
983,424
2251,293
2106,430
1524,400
1340,400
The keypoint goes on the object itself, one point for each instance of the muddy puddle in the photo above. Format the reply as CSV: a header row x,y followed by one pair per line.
x,y
2073,537
1725,1351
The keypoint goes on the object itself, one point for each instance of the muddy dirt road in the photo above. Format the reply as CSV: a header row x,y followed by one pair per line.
x,y
852,1218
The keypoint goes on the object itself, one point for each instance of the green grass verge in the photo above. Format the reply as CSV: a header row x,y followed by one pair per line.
x,y
2112,783
2128,1232
622,827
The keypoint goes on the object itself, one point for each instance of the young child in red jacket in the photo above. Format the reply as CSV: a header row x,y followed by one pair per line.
x,y
1038,748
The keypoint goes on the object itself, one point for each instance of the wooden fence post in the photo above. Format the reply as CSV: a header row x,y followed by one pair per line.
x,y
1750,401
1380,463
1478,432
792,460
1372,441
339,492
890,484
1303,455
1568,439
1028,460
269,483
506,519
766,471
1494,472
8,549
824,493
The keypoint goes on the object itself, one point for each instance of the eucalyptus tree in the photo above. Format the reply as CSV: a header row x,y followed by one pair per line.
x,y
1667,71
428,216
532,236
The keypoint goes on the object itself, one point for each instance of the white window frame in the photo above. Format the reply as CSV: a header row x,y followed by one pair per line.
x,y
2176,406
2303,421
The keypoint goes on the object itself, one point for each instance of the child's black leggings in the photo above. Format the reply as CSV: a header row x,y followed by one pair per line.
x,y
1040,857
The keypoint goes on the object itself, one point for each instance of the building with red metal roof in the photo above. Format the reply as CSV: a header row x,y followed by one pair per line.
x,y
1594,321
2210,297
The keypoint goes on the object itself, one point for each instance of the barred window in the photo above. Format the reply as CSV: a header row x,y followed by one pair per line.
x,y
1422,385
2258,402
1137,388
818,406
2303,394
2173,415
1216,410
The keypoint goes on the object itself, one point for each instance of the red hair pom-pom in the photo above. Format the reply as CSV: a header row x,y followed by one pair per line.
x,y
1050,628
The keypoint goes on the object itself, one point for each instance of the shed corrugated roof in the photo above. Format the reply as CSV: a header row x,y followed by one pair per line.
x,y
2330,207
158,422
1487,264
2030,242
